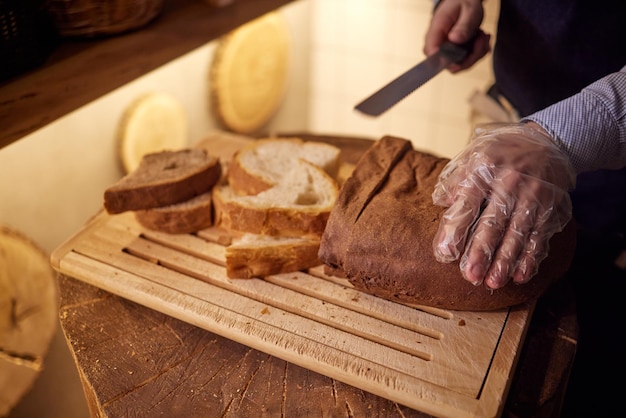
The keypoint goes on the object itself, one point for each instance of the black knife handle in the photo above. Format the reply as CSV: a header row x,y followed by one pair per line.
x,y
456,52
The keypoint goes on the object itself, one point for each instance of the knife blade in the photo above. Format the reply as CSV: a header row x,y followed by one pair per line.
x,y
405,84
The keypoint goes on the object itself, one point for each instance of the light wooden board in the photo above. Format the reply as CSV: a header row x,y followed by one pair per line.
x,y
444,363
249,72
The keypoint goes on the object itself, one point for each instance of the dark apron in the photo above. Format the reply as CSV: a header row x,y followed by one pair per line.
x,y
546,51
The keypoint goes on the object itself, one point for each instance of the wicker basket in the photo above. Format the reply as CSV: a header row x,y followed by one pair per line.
x,y
88,18
27,36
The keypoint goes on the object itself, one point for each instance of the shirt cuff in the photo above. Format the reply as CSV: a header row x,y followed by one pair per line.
x,y
590,127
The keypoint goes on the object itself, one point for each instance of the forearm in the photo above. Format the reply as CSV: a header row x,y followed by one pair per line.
x,y
590,127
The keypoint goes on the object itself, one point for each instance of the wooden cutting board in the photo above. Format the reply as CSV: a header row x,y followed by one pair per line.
x,y
444,363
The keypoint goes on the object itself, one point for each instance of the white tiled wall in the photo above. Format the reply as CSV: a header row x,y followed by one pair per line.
x,y
357,46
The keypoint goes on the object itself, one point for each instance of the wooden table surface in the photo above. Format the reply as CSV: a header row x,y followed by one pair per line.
x,y
134,362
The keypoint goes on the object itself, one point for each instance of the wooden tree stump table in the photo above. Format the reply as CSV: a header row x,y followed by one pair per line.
x,y
135,362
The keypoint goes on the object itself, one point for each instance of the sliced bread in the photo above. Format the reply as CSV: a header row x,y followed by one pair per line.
x,y
181,218
263,163
224,145
299,204
260,255
162,179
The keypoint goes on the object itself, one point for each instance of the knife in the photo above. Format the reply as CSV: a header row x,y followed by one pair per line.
x,y
405,84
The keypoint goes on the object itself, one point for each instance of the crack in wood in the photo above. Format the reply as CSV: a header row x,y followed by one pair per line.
x,y
220,372
399,410
15,317
349,410
13,313
283,403
334,390
194,354
171,330
87,302
227,409
21,359
249,382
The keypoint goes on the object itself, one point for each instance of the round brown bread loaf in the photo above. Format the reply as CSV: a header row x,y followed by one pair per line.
x,y
381,230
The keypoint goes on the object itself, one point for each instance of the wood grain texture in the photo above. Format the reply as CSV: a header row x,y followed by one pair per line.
x,y
125,351
80,71
28,305
139,362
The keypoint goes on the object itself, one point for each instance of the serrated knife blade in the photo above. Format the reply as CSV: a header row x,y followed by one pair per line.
x,y
405,84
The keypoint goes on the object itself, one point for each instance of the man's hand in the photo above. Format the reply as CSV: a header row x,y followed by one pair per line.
x,y
458,21
507,193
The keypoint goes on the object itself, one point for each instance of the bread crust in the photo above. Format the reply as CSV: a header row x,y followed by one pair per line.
x,y
183,218
246,262
286,222
381,230
150,186
272,221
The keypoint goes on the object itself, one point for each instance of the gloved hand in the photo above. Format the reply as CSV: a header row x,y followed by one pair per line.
x,y
507,194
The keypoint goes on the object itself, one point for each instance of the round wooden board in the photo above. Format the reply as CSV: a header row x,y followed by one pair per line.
x,y
28,314
249,73
153,122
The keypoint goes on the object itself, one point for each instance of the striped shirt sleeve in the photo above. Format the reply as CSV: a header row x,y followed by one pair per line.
x,y
590,127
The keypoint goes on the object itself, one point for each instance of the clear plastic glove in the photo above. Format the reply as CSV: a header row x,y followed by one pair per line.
x,y
507,194
458,21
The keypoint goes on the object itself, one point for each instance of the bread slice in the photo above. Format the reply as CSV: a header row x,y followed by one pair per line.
x,y
299,204
263,163
162,179
182,218
260,255
224,145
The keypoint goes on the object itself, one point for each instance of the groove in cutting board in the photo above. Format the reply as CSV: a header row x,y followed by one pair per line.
x,y
305,284
300,282
232,301
326,313
445,363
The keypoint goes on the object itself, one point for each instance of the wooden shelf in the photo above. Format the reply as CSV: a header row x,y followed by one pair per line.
x,y
80,71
